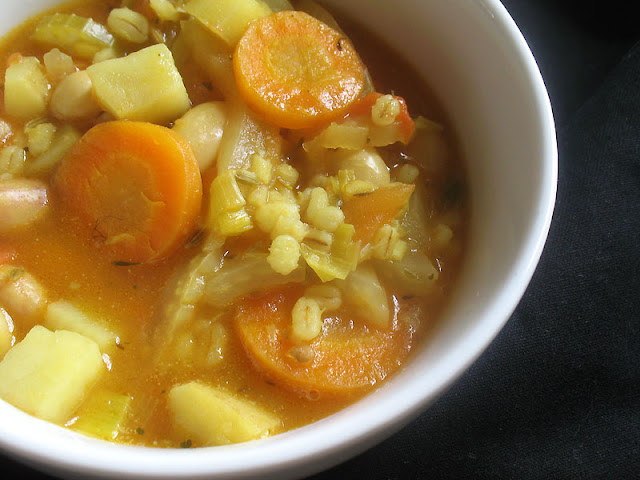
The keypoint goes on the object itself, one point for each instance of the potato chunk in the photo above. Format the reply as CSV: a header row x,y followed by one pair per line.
x,y
62,315
227,18
216,417
26,89
143,86
48,373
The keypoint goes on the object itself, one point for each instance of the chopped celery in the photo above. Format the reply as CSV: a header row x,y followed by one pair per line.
x,y
225,195
102,415
233,223
242,275
341,260
75,35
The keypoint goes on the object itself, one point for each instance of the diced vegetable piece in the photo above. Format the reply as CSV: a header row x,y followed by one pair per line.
x,y
227,18
144,85
245,135
48,374
22,202
20,293
341,260
203,126
368,212
296,71
136,183
413,275
242,275
225,194
65,138
349,134
58,65
165,10
346,357
216,417
197,44
62,315
73,98
364,293
102,415
6,332
26,89
75,35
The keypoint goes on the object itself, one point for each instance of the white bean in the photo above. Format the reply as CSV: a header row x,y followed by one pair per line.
x,y
367,165
73,98
202,127
22,202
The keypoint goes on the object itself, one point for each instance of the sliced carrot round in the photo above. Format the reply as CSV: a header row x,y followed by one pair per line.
x,y
296,71
137,187
347,356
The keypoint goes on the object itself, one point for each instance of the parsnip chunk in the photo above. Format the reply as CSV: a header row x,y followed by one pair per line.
x,y
215,417
48,373
143,86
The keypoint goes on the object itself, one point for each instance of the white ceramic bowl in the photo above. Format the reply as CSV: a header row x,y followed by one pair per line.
x,y
473,56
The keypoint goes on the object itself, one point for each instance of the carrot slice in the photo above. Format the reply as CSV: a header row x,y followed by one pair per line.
x,y
296,71
347,357
136,185
368,212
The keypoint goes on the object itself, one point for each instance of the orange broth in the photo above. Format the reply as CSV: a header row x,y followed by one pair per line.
x,y
60,253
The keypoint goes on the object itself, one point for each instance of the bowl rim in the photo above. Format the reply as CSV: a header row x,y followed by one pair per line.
x,y
288,453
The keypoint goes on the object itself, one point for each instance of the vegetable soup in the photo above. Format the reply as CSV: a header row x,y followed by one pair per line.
x,y
219,219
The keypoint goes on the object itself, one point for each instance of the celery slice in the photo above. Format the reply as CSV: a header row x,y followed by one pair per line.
x,y
340,261
75,35
102,415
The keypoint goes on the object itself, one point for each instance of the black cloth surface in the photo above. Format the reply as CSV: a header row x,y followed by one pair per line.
x,y
557,394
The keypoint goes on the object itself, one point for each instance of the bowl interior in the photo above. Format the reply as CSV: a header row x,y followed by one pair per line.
x,y
475,60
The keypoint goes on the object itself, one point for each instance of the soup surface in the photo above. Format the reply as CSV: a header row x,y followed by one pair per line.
x,y
218,220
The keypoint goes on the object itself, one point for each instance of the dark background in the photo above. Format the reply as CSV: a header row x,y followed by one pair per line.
x,y
557,394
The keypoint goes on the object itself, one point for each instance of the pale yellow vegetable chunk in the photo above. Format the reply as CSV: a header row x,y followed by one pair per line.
x,y
227,18
6,332
62,315
48,373
363,292
215,417
26,89
143,86
202,127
